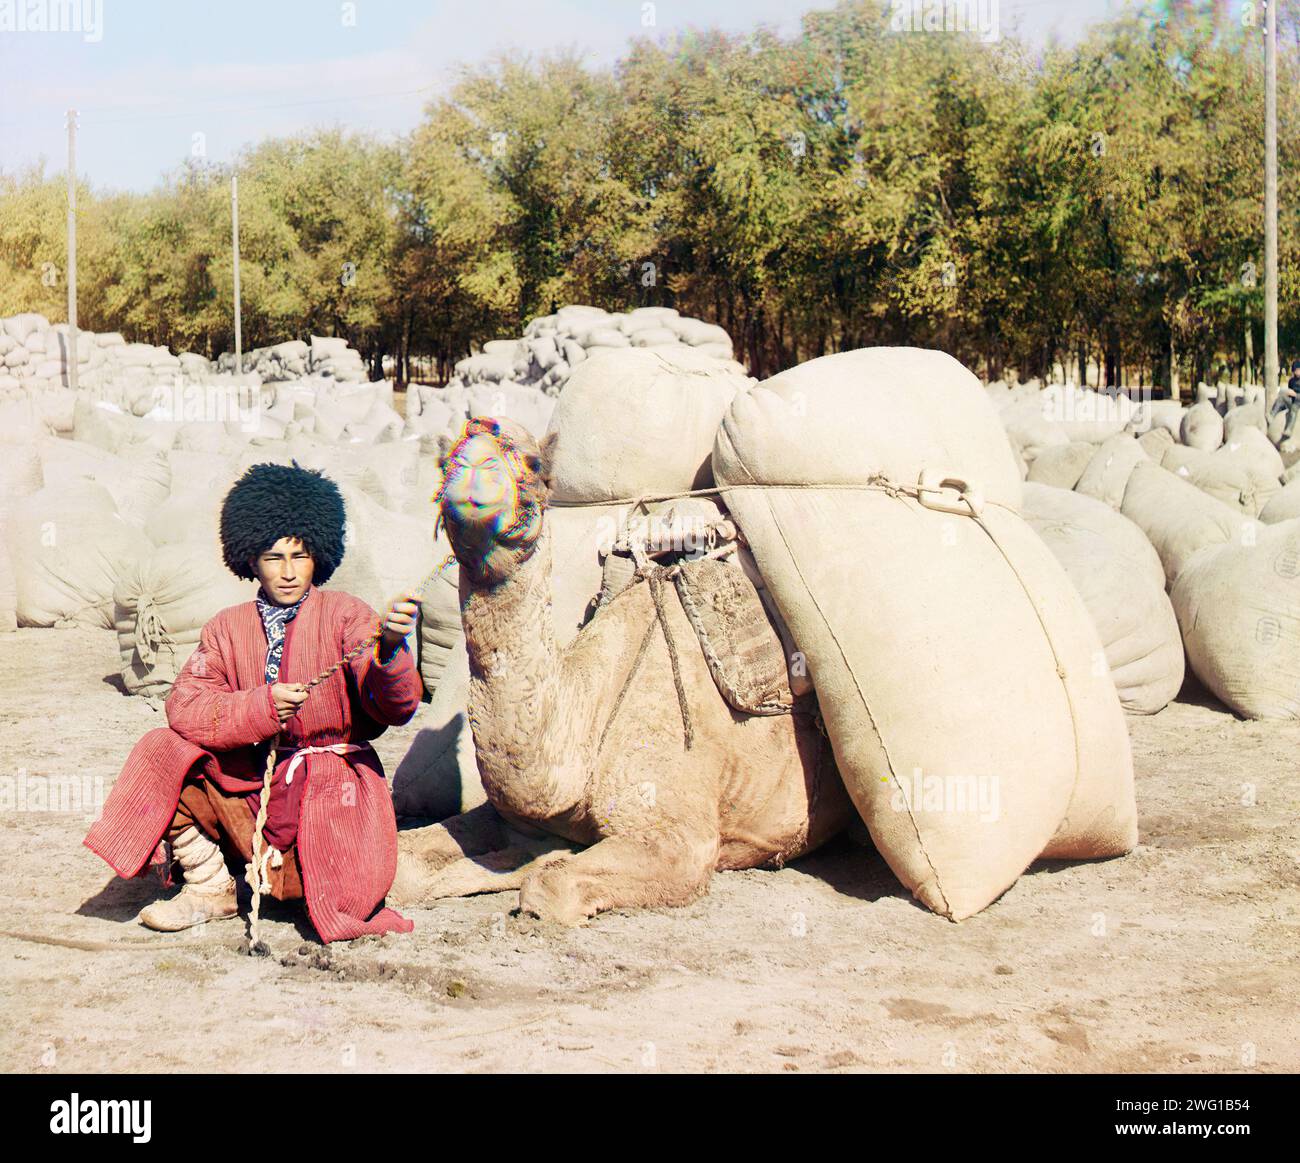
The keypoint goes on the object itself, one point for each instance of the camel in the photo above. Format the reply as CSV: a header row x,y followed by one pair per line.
x,y
594,799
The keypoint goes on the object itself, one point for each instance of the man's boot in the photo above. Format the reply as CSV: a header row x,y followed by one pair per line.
x,y
208,893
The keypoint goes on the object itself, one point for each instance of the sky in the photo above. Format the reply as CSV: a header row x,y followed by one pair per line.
x,y
156,81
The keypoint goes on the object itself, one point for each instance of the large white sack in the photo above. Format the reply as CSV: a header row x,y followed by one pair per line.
x,y
108,427
1157,415
160,604
68,544
950,653
1202,427
1239,608
384,552
1062,464
506,401
1085,414
21,420
57,408
1245,416
1283,506
1108,472
635,422
1119,576
1178,518
1029,431
1155,442
1239,473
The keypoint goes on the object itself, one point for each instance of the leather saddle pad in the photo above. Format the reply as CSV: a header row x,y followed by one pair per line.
x,y
741,647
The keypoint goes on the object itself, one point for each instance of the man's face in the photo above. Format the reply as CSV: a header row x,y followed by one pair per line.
x,y
285,571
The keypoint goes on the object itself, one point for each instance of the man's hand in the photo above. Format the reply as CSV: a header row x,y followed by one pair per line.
x,y
399,620
288,696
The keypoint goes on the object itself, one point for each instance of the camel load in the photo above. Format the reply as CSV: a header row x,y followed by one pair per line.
x,y
952,657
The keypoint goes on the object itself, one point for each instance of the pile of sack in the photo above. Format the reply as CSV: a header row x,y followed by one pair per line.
x,y
1214,494
326,356
518,379
35,354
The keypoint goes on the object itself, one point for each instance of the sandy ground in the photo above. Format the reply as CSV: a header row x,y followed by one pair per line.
x,y
1180,957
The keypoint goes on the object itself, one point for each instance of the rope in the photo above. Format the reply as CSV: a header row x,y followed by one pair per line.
x,y
878,482
654,575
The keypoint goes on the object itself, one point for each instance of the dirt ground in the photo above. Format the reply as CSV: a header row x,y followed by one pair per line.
x,y
1180,957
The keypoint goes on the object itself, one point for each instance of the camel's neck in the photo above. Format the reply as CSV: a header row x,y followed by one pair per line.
x,y
514,682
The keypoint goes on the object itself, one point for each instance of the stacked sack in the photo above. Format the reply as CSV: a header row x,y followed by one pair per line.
x,y
37,356
1234,584
328,357
953,658
517,379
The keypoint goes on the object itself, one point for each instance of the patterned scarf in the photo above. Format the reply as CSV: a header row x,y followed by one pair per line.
x,y
275,619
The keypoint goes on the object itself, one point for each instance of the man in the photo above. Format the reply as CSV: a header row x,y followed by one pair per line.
x,y
190,792
1288,398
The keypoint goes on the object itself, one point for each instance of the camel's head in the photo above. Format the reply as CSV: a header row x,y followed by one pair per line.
x,y
495,482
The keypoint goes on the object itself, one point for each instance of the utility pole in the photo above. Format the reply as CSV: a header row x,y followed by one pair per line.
x,y
1270,204
234,230
72,249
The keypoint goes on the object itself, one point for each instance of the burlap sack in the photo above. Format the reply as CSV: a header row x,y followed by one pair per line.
x,y
1120,578
1177,517
1202,427
634,422
68,545
952,656
1062,465
1283,506
1108,472
160,604
1239,608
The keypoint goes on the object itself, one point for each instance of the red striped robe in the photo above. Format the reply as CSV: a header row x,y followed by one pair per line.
x,y
221,709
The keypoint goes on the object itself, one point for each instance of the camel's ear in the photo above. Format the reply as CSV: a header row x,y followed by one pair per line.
x,y
446,442
546,456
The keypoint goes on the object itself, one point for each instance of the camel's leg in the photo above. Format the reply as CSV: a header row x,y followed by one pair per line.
x,y
491,872
634,871
479,830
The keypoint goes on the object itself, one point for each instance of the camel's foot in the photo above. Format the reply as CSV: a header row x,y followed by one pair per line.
x,y
469,834
551,895
620,872
416,882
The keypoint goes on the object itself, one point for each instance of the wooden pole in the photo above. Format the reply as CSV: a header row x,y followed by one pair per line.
x,y
1270,204
72,249
234,232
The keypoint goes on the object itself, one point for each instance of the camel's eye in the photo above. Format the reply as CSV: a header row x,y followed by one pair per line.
x,y
534,463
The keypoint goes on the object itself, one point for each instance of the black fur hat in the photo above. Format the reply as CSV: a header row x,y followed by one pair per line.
x,y
271,501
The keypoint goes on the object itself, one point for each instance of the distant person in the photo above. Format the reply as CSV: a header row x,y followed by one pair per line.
x,y
1288,398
